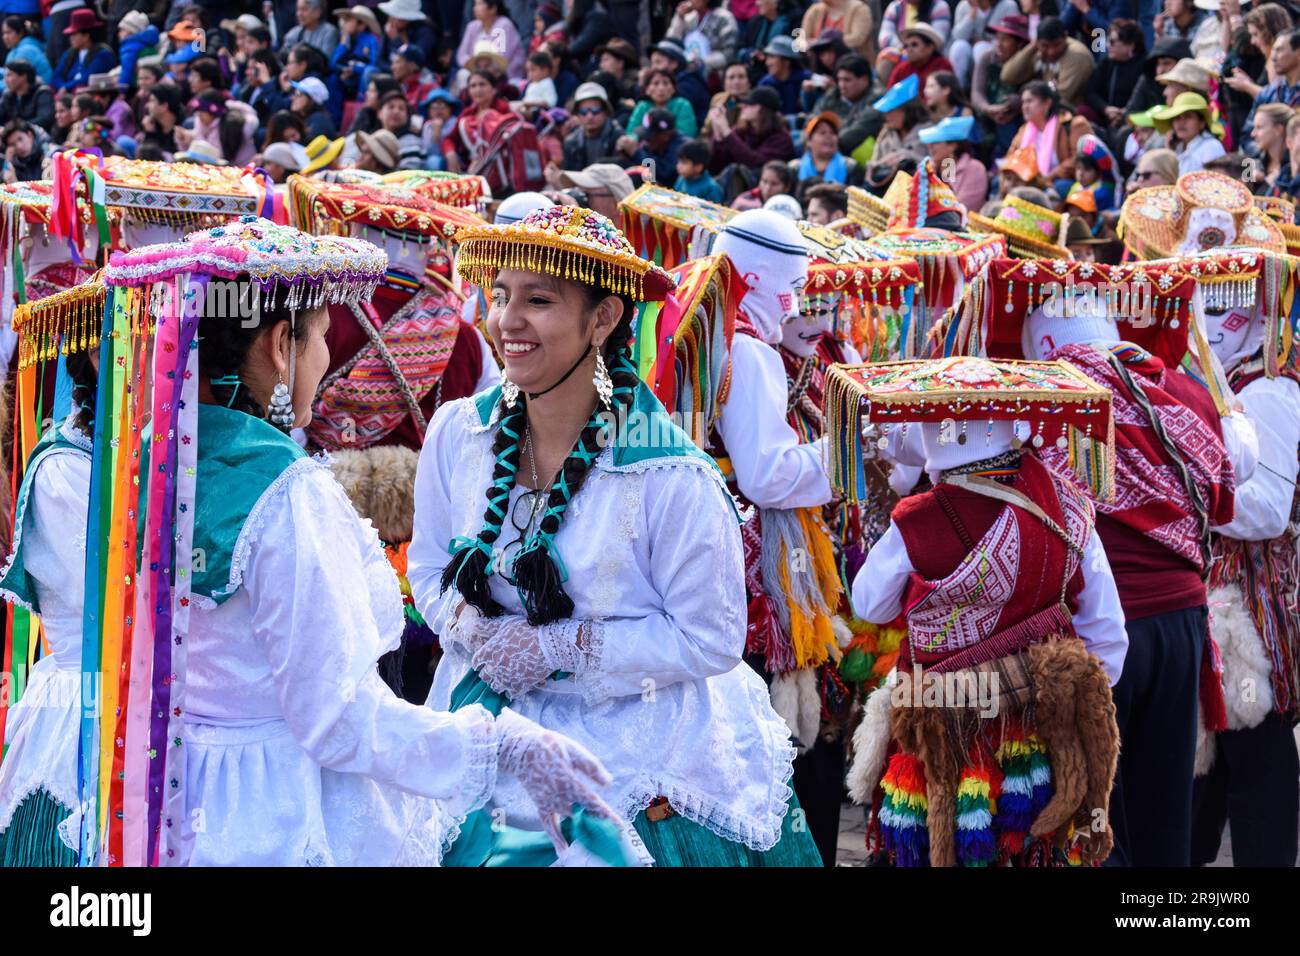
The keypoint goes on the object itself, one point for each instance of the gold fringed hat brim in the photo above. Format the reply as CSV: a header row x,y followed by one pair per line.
x,y
567,242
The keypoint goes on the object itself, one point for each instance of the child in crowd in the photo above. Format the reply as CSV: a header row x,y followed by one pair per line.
x,y
693,172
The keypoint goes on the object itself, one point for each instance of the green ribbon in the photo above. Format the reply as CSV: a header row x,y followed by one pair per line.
x,y
483,843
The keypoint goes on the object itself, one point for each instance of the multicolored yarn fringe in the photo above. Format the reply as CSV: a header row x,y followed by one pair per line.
x,y
977,795
902,813
682,346
1026,787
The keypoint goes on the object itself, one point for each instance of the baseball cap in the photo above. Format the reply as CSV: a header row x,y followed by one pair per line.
x,y
313,88
600,176
411,52
764,96
658,121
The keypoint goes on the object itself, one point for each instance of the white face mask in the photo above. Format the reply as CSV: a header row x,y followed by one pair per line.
x,y
802,334
1228,331
772,298
1067,322
768,251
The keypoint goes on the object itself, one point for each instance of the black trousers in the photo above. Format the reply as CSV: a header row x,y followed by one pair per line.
x,y
1156,708
1253,784
819,785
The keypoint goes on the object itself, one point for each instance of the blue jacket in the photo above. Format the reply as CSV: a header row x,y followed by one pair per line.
x,y
73,71
132,48
362,52
703,186
31,50
30,9
789,90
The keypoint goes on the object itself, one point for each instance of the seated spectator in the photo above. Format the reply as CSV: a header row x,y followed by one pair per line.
x,y
1116,78
1269,135
1196,134
971,22
707,31
1052,131
539,93
413,78
563,72
308,103
95,132
922,46
735,84
1053,58
669,55
26,97
1179,20
899,145
367,118
261,89
228,125
1187,76
1079,237
827,203
491,26
1086,19
377,152
281,160
822,159
785,73
944,97
618,58
467,141
849,100
85,54
901,14
655,144
990,97
693,172
595,137
178,67
204,75
63,119
1264,24
312,29
1285,89
1158,167
660,91
163,118
407,23
20,44
1097,174
771,19
775,179
759,136
440,110
948,143
549,26
1291,187
358,50
601,188
823,53
113,104
24,153
851,19
303,61
396,116
1148,92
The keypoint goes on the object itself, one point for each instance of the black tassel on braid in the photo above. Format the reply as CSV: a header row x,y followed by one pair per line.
x,y
471,565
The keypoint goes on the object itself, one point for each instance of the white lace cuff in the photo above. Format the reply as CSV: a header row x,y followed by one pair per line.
x,y
559,644
479,772
591,680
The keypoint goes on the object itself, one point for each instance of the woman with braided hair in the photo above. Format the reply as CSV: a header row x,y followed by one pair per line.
x,y
599,587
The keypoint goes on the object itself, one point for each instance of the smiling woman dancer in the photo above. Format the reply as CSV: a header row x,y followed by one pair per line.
x,y
288,748
602,590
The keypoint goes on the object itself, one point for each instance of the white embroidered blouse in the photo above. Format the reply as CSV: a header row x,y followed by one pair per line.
x,y
654,564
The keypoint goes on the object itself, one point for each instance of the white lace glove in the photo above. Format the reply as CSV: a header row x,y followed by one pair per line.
x,y
555,771
516,656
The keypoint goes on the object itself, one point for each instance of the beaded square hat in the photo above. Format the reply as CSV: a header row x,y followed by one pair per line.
x,y
1032,231
64,323
1058,402
567,242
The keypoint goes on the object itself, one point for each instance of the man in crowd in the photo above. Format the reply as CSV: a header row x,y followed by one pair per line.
x,y
1054,58
313,29
596,135
26,97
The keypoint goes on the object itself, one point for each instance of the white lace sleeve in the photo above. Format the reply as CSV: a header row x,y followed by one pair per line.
x,y
322,599
696,571
433,521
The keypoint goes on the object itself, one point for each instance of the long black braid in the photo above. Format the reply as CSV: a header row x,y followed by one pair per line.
x,y
226,343
85,385
538,577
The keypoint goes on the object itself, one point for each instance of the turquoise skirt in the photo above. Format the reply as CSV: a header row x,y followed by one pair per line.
x,y
677,841
32,838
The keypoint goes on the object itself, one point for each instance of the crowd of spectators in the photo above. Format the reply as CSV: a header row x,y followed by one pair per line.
x,y
741,102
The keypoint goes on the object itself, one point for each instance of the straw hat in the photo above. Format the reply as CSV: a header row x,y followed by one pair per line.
x,y
1204,210
321,152
1189,73
1186,103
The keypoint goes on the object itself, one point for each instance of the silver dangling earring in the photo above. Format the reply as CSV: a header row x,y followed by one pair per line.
x,y
280,411
604,384
510,392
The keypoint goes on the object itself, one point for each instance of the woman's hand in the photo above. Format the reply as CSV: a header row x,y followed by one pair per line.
x,y
555,771
1240,82
1115,115
515,657
626,145
718,122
